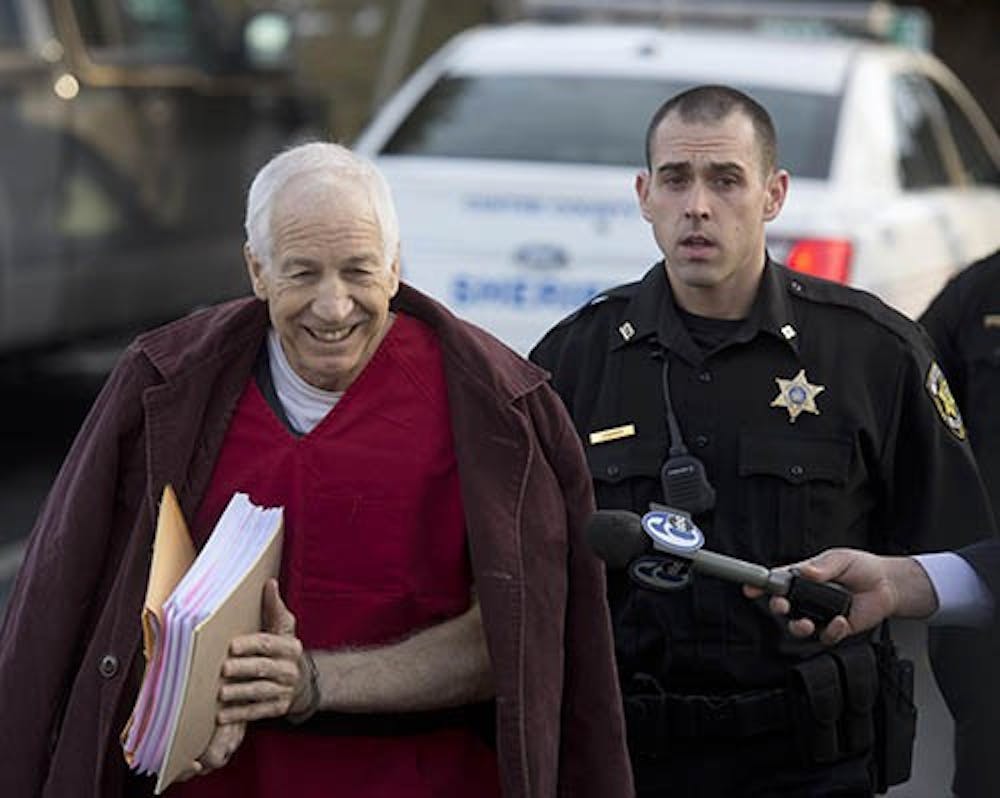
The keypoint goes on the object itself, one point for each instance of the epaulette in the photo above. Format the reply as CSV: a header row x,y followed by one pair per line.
x,y
826,292
624,291
619,293
980,280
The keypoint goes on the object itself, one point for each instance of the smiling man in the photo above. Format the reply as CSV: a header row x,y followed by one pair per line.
x,y
787,415
438,627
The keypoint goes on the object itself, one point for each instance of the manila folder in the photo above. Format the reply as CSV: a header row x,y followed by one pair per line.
x,y
173,554
238,614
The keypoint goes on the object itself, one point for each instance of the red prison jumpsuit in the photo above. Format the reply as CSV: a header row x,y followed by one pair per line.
x,y
374,550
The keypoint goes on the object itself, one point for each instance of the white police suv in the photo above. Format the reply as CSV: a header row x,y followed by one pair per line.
x,y
512,155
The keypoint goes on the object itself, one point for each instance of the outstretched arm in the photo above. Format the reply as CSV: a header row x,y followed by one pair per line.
x,y
882,587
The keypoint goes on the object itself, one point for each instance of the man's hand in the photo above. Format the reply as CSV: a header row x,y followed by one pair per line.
x,y
265,675
225,740
874,581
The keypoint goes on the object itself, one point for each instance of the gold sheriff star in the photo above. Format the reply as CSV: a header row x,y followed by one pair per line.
x,y
797,395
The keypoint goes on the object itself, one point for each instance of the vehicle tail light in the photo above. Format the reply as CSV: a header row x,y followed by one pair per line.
x,y
829,258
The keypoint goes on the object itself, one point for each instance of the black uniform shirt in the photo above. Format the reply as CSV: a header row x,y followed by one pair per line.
x,y
881,465
964,321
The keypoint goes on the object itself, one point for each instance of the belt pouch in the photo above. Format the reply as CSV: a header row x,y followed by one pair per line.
x,y
859,682
895,714
644,705
817,705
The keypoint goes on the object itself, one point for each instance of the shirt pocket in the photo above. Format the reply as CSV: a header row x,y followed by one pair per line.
x,y
626,472
792,492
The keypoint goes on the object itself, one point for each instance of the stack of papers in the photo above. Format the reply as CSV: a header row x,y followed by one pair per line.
x,y
194,608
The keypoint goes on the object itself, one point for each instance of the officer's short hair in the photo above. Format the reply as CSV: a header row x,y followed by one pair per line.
x,y
713,104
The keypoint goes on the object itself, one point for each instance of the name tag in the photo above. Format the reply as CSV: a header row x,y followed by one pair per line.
x,y
612,434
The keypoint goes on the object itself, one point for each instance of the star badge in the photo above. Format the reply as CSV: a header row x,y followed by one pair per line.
x,y
797,395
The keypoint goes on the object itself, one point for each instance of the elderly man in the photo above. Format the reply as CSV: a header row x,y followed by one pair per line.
x,y
433,569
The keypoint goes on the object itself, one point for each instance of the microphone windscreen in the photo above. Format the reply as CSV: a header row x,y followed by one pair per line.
x,y
616,537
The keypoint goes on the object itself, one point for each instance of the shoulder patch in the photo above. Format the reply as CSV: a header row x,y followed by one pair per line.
x,y
944,401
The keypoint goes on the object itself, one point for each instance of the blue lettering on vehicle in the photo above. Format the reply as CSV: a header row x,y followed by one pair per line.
x,y
519,293
530,206
510,203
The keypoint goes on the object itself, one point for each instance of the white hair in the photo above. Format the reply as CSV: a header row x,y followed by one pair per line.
x,y
323,162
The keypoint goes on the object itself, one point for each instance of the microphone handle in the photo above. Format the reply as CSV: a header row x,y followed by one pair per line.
x,y
820,602
731,569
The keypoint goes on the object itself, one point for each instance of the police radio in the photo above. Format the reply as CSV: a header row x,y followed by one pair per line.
x,y
683,479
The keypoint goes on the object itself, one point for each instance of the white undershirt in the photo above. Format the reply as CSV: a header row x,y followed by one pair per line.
x,y
304,404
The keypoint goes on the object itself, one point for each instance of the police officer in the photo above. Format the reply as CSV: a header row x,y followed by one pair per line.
x,y
818,418
964,322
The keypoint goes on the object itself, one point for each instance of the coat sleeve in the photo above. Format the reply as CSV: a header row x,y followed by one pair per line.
x,y
593,758
984,557
965,663
68,563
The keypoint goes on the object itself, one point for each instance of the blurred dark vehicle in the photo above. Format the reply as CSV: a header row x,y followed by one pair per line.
x,y
129,130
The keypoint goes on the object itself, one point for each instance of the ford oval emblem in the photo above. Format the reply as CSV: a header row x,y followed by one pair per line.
x,y
541,256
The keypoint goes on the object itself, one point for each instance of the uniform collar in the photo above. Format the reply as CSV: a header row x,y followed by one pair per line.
x,y
644,318
772,311
641,319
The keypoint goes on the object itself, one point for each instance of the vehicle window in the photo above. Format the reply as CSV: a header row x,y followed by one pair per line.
x,y
58,198
593,120
979,164
921,164
141,31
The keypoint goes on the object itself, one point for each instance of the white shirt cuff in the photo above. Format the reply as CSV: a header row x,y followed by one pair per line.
x,y
963,598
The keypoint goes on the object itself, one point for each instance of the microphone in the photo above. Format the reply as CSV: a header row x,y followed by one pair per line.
x,y
623,539
616,537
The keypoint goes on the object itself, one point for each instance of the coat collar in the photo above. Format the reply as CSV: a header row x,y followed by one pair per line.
x,y
225,331
467,348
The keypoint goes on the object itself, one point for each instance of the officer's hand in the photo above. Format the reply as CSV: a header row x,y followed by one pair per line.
x,y
868,577
265,672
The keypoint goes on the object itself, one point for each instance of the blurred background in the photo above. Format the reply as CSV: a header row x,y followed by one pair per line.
x,y
130,129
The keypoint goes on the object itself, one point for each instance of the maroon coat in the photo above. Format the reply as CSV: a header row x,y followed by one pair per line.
x,y
70,656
